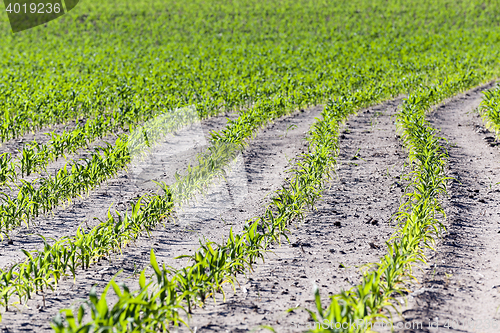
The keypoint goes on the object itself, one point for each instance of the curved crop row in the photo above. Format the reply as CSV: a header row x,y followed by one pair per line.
x,y
419,225
35,156
214,265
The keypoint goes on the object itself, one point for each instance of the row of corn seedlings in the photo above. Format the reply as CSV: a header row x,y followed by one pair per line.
x,y
158,303
490,109
357,309
36,156
75,179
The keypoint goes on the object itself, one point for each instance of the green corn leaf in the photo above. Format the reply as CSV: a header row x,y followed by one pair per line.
x,y
154,263
142,279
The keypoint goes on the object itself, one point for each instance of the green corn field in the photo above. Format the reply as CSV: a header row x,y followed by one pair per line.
x,y
244,165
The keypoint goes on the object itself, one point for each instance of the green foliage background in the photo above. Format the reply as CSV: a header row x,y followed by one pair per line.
x,y
223,54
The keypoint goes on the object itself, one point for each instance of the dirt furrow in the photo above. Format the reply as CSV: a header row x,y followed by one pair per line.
x,y
348,229
459,292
